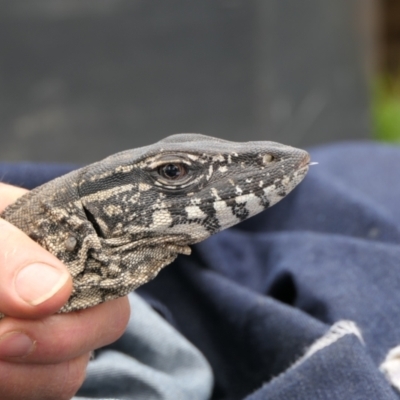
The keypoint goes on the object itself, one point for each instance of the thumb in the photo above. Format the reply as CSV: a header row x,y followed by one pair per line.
x,y
33,282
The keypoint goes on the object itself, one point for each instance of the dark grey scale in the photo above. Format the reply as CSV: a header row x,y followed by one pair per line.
x,y
281,190
179,216
147,258
236,160
239,210
198,221
263,199
144,219
109,220
211,222
178,220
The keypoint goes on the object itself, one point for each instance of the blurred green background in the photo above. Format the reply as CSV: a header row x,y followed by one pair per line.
x,y
386,108
385,86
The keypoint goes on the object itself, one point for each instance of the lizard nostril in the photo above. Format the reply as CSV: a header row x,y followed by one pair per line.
x,y
267,158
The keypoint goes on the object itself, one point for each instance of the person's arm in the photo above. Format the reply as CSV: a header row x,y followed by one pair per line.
x,y
44,355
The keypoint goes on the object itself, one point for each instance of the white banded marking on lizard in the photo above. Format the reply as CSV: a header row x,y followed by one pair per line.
x,y
103,195
161,218
113,209
222,169
210,172
218,158
238,190
144,187
194,212
215,194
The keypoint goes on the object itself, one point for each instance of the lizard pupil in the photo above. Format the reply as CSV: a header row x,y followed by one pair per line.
x,y
173,171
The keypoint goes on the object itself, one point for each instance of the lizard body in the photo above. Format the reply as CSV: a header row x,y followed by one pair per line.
x,y
117,222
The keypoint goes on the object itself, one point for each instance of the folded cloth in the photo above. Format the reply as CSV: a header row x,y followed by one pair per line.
x,y
151,361
299,302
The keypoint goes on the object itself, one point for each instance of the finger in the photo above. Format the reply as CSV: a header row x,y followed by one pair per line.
x,y
60,337
42,382
9,194
9,262
33,283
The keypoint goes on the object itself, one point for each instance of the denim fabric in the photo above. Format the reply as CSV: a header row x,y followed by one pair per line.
x,y
299,302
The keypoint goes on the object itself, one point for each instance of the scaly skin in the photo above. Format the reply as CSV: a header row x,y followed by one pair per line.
x,y
117,222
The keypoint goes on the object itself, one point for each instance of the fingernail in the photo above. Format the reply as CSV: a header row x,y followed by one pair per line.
x,y
16,344
38,282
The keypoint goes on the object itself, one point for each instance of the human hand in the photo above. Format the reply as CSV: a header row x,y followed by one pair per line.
x,y
44,355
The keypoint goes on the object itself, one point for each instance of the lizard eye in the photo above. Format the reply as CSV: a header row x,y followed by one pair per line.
x,y
172,171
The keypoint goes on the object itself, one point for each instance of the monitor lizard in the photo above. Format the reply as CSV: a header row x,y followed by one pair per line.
x,y
117,222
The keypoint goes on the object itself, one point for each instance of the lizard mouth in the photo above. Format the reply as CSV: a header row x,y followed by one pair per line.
x,y
305,162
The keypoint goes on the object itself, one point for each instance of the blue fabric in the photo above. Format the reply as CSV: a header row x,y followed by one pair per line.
x,y
151,361
29,175
262,300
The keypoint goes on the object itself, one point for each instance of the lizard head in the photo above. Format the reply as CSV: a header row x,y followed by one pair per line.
x,y
187,187
131,214
117,222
